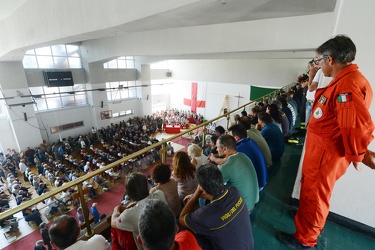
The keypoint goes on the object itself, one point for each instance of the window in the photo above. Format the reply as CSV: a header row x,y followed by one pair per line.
x,y
121,90
123,62
58,97
53,57
66,126
123,113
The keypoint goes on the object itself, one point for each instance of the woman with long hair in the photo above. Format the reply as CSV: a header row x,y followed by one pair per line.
x,y
184,173
161,175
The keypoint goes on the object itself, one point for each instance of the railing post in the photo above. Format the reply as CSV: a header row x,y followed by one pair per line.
x,y
163,153
204,132
89,231
228,120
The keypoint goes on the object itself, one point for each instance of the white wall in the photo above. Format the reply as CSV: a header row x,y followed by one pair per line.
x,y
353,194
212,92
64,116
8,140
260,72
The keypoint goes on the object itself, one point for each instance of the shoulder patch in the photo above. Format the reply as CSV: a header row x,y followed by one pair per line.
x,y
345,97
322,99
318,113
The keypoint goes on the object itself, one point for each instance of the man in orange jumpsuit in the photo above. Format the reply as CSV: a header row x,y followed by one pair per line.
x,y
339,131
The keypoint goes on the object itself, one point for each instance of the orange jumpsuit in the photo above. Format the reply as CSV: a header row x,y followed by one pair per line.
x,y
339,131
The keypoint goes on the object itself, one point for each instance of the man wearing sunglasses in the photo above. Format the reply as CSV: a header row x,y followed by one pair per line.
x,y
339,131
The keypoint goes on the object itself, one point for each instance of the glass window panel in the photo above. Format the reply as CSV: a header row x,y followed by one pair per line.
x,y
45,51
129,111
121,58
124,93
45,62
121,64
132,92
61,62
112,64
66,89
51,90
58,50
131,83
130,64
36,90
107,84
54,103
115,114
68,101
72,50
116,95
129,57
122,112
75,63
109,96
40,105
115,84
79,87
30,52
80,99
105,65
29,62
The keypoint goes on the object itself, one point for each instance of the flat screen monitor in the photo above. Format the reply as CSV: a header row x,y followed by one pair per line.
x,y
58,79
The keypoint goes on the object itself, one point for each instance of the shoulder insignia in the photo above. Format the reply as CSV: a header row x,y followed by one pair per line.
x,y
345,97
322,99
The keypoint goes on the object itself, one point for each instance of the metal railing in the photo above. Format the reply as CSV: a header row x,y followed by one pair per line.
x,y
78,182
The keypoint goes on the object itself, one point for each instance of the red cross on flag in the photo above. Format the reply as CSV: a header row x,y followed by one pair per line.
x,y
197,98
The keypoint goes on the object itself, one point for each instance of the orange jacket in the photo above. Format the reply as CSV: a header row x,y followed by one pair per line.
x,y
340,114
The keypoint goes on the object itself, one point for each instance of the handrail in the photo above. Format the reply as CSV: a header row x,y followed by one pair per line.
x,y
80,180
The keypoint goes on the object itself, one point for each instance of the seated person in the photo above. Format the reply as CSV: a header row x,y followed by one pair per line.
x,y
54,205
64,233
41,188
157,229
32,214
196,154
126,218
39,245
80,215
95,212
272,135
225,223
161,175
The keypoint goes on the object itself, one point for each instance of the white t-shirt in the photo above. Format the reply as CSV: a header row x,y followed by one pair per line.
x,y
96,242
128,220
322,82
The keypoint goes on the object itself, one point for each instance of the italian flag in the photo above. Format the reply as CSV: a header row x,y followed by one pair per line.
x,y
346,97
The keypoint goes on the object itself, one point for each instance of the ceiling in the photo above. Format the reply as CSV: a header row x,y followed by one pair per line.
x,y
8,6
195,13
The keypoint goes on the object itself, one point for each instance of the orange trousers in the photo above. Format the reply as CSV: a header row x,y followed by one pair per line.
x,y
322,166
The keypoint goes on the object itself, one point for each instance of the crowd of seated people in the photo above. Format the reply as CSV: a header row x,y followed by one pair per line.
x,y
177,117
59,165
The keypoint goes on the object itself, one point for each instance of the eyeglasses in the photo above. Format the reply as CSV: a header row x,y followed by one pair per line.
x,y
316,61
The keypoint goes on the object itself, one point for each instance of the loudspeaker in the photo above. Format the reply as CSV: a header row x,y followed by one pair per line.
x,y
25,116
101,104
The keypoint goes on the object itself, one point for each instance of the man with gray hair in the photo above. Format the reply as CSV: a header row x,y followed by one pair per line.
x,y
340,130
157,229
